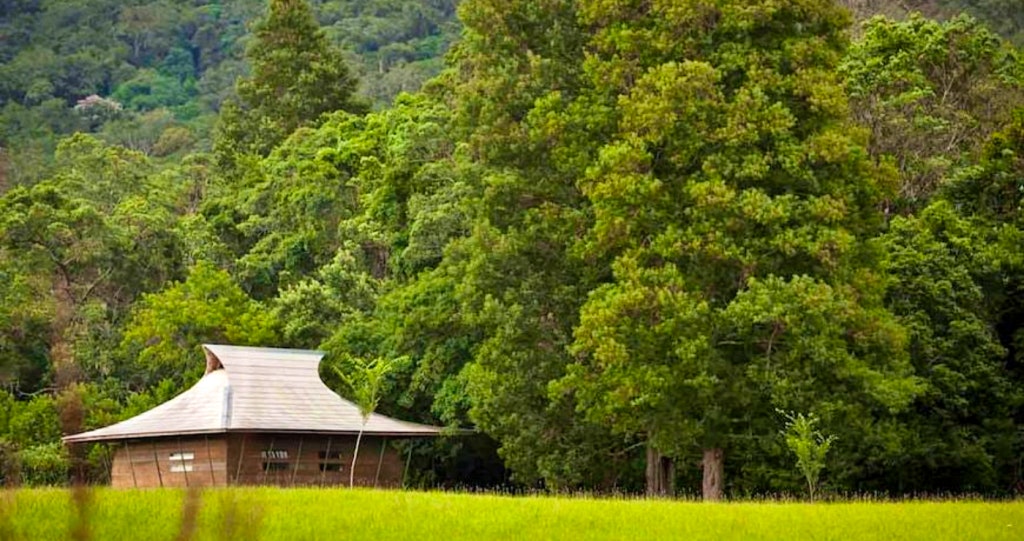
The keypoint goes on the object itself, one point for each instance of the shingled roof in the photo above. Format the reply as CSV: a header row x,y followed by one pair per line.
x,y
249,389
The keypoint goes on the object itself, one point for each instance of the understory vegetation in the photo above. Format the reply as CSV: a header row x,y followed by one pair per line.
x,y
628,243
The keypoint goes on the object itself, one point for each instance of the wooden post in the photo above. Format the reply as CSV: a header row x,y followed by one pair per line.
x,y
298,458
380,461
408,459
241,454
209,459
327,456
131,464
109,459
156,462
266,462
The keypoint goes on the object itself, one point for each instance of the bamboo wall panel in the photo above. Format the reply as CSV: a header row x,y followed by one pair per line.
x,y
303,466
241,458
147,463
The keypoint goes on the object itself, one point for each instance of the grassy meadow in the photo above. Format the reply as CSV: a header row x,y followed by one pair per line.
x,y
272,514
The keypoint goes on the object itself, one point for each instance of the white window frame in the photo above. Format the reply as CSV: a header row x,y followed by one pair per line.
x,y
182,462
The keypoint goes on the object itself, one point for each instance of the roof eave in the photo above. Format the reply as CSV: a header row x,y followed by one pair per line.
x,y
87,437
438,432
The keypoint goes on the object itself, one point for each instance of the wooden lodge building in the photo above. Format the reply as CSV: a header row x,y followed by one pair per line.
x,y
258,416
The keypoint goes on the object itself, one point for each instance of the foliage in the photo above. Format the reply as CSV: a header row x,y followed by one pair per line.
x,y
809,445
365,380
44,465
356,189
1002,16
930,93
208,307
520,281
948,279
722,201
991,189
182,57
296,77
608,232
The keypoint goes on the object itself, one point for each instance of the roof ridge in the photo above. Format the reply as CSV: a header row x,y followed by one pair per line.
x,y
225,420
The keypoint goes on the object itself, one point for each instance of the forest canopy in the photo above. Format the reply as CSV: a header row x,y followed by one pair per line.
x,y
632,246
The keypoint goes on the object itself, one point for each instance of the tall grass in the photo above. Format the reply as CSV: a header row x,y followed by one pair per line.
x,y
272,513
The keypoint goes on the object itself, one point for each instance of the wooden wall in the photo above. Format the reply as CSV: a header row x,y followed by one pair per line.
x,y
148,463
255,459
379,464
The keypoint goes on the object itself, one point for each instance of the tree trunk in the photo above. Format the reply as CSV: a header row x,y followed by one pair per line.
x,y
355,455
661,474
70,409
714,474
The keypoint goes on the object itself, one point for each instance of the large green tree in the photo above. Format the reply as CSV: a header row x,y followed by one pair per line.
x,y
297,75
93,236
208,307
517,88
732,197
952,283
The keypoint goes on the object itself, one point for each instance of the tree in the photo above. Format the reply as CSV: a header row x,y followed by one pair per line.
x,y
367,186
931,93
366,381
521,280
296,77
147,27
72,244
1003,16
809,445
991,188
92,237
960,282
733,199
952,282
207,307
101,229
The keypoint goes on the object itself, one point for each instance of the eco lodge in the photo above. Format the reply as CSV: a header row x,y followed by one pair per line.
x,y
259,416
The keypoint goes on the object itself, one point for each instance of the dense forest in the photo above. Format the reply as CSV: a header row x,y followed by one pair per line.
x,y
631,244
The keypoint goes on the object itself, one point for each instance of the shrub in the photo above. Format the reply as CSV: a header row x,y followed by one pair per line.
x,y
45,464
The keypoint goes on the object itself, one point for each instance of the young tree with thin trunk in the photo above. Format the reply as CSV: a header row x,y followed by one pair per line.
x,y
366,381
809,445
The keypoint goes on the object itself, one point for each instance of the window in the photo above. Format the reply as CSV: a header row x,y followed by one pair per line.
x,y
330,461
274,459
274,454
182,462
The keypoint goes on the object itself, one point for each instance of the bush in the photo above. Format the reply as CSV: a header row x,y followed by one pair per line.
x,y
45,465
172,140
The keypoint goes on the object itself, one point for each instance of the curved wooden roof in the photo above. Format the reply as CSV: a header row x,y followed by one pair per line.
x,y
249,389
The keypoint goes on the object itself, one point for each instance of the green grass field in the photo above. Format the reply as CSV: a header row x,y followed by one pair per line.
x,y
268,513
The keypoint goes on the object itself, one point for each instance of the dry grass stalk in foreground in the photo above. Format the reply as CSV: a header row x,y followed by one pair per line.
x,y
190,515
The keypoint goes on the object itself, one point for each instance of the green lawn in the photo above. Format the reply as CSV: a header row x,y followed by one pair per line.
x,y
364,514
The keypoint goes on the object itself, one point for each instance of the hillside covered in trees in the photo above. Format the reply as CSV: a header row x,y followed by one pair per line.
x,y
628,243
164,68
